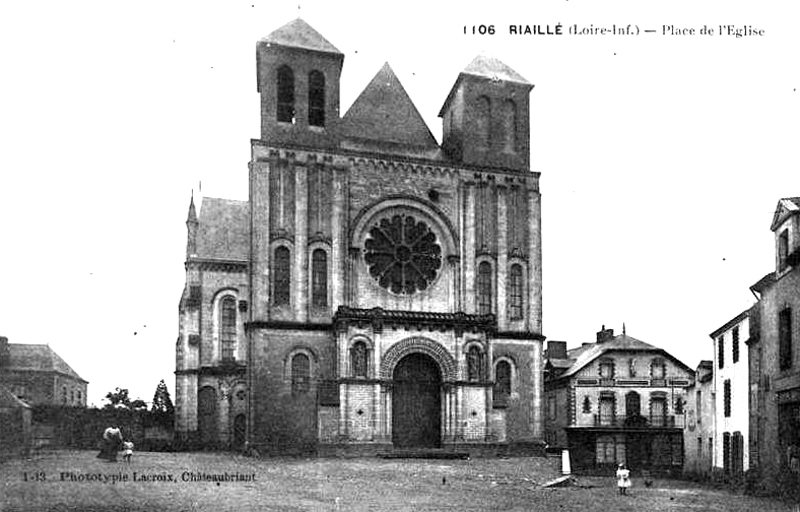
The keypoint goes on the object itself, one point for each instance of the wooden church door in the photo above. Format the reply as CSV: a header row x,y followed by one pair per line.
x,y
416,403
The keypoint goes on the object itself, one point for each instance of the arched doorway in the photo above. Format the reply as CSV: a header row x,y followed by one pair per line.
x,y
207,416
416,402
239,431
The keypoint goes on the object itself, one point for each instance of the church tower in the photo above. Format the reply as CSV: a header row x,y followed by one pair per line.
x,y
298,78
486,116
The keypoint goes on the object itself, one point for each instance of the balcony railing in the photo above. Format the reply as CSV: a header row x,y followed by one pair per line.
x,y
654,421
633,382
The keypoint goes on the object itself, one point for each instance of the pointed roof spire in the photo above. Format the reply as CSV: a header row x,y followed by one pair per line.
x,y
299,34
192,217
384,112
624,332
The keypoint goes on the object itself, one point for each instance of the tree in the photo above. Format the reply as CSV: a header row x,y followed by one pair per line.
x,y
118,399
161,400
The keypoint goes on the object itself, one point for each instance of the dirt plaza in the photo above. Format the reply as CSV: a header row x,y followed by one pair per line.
x,y
76,480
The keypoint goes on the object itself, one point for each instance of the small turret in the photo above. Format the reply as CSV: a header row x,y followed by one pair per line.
x,y
191,228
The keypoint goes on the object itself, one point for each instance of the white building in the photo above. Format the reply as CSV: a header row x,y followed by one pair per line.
x,y
731,395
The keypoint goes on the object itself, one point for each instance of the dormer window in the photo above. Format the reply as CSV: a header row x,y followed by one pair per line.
x,y
783,250
285,95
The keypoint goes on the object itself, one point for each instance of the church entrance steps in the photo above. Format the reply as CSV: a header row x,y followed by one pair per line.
x,y
422,453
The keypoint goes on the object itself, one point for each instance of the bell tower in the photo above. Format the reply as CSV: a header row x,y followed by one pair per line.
x,y
486,116
298,78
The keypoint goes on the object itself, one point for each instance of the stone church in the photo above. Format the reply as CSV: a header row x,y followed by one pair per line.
x,y
378,291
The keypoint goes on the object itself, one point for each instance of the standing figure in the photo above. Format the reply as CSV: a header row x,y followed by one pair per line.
x,y
128,447
623,479
110,444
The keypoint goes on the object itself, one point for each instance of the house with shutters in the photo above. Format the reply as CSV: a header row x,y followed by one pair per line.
x,y
377,290
774,366
731,396
616,400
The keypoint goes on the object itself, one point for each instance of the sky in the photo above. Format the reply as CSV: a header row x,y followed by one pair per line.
x,y
662,156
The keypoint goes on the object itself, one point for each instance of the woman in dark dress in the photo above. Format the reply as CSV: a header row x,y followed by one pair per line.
x,y
110,444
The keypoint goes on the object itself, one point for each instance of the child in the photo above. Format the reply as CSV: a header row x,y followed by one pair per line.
x,y
128,447
623,479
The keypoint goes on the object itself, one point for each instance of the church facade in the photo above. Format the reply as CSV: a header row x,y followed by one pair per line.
x,y
378,290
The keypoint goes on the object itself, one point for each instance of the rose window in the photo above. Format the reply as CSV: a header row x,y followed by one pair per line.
x,y
402,254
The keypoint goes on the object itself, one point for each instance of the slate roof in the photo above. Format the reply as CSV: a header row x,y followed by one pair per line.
x,y
763,283
586,354
38,358
299,34
487,66
223,232
730,323
560,363
384,112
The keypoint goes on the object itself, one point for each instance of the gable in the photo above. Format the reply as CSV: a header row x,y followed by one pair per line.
x,y
384,112
786,207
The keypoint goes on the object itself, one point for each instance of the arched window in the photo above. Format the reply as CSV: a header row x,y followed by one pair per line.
x,y
474,363
285,95
316,99
281,271
358,359
502,382
483,120
515,291
227,328
319,278
301,374
509,126
484,288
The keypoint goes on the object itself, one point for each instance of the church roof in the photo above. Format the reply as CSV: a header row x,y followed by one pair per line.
x,y
38,358
384,112
224,229
487,66
299,34
786,207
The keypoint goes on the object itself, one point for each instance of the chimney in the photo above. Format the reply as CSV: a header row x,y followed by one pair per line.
x,y
605,334
5,354
556,349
